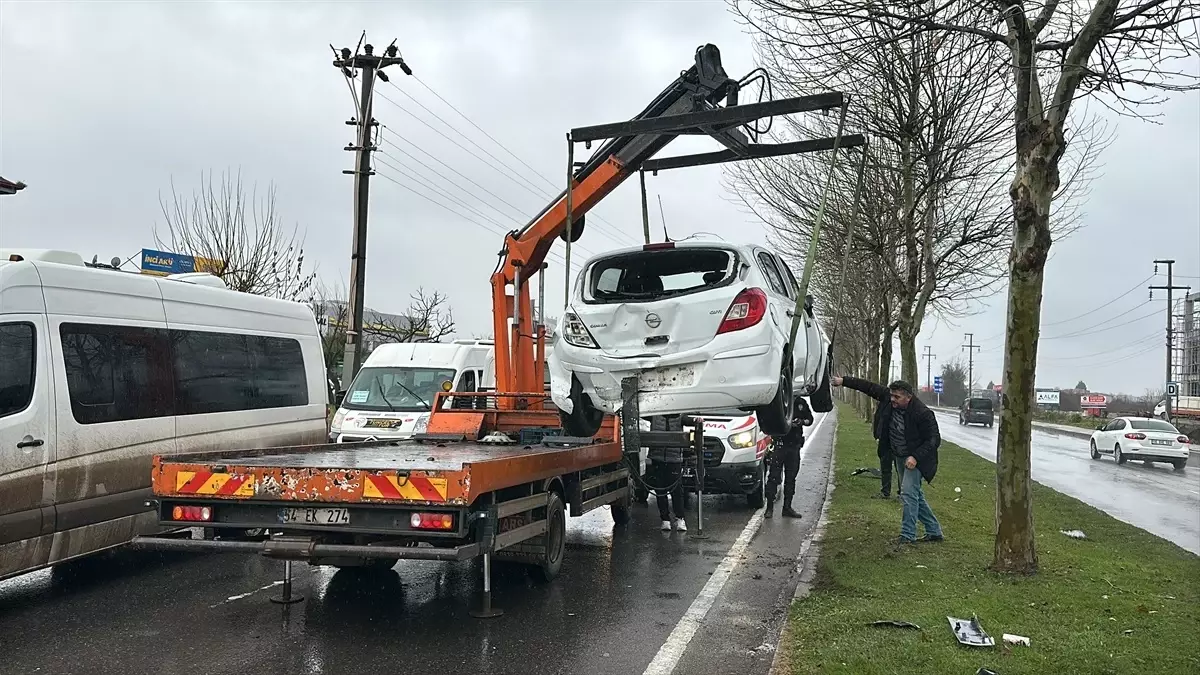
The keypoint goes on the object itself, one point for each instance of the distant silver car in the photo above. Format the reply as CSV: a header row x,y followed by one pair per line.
x,y
1151,440
703,325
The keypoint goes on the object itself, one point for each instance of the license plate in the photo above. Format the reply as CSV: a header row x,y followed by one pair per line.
x,y
315,516
668,378
383,424
1155,441
689,472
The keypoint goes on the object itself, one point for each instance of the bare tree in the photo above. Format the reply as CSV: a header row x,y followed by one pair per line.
x,y
428,318
332,313
256,252
1046,56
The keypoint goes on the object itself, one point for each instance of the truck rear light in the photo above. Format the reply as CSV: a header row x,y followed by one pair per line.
x,y
746,310
431,521
1136,436
200,513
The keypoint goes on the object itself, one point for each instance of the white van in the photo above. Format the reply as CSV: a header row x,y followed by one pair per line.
x,y
392,394
101,369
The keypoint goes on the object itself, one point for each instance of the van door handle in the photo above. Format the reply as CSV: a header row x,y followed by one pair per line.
x,y
31,443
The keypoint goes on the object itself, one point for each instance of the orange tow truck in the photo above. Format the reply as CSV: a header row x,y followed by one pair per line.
x,y
494,473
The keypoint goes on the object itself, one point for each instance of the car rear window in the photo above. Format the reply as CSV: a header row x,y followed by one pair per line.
x,y
980,404
652,275
1153,425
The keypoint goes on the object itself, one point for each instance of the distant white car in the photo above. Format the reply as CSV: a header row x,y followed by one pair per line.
x,y
1152,440
702,325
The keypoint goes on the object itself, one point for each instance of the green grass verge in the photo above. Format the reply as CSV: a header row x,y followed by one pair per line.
x,y
1121,601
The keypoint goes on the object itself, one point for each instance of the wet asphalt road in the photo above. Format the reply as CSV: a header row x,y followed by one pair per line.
x,y
619,599
1156,498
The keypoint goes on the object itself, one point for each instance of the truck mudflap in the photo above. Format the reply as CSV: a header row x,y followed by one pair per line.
x,y
281,483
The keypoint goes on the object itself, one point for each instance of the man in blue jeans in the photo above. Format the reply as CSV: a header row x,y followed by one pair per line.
x,y
908,431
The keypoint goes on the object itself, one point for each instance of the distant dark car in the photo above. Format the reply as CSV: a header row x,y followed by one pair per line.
x,y
977,411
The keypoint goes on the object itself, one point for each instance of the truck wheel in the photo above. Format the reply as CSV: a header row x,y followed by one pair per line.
x,y
775,418
554,542
822,398
585,418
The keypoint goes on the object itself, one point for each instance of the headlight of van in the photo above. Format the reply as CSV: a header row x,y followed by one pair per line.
x,y
742,439
338,418
422,424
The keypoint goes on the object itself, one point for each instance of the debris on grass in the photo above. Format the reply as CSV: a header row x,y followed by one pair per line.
x,y
1010,639
895,624
970,633
869,471
1074,534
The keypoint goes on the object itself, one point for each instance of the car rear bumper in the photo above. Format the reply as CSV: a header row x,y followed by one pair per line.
x,y
738,377
1156,452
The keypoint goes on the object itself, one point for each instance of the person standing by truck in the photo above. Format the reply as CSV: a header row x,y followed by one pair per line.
x,y
786,460
666,476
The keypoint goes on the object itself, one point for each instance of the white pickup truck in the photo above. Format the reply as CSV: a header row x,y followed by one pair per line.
x,y
1181,406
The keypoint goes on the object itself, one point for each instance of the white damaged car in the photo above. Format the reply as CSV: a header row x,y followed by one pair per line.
x,y
702,325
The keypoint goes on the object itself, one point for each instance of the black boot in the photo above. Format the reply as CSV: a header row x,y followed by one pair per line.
x,y
770,502
788,511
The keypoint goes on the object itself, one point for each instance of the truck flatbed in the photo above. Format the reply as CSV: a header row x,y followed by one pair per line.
x,y
448,473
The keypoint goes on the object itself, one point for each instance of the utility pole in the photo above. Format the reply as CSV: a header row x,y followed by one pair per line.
x,y
928,356
1169,288
970,347
369,66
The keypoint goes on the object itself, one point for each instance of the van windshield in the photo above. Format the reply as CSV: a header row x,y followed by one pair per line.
x,y
403,388
652,275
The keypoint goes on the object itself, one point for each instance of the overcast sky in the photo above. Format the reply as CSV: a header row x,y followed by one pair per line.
x,y
102,104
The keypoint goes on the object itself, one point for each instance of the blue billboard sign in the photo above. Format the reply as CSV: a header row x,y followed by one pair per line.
x,y
937,384
162,263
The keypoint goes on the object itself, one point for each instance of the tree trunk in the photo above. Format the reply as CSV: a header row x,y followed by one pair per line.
x,y
1031,192
883,375
908,353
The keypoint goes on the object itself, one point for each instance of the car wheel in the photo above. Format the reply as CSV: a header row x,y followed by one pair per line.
x,y
554,542
1117,454
757,497
775,418
585,419
621,508
1179,464
1095,450
822,398
1163,416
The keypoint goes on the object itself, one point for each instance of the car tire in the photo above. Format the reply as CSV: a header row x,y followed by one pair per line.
x,y
1095,450
775,418
758,497
554,541
1121,459
1179,464
621,509
585,419
822,397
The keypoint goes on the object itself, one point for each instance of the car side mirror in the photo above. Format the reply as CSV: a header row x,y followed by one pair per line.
x,y
808,303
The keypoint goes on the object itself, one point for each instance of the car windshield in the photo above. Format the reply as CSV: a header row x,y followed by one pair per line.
x,y
980,404
405,388
1153,425
653,275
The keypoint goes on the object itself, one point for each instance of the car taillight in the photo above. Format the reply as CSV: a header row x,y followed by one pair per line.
x,y
576,333
431,521
201,513
659,246
746,310
1184,439
1136,436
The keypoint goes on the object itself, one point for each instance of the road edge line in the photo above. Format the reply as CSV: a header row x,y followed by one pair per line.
x,y
810,551
672,650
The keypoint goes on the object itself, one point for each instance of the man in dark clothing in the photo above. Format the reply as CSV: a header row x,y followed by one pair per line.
x,y
666,476
785,458
908,431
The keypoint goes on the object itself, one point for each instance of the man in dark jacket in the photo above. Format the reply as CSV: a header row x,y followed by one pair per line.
x,y
785,459
907,429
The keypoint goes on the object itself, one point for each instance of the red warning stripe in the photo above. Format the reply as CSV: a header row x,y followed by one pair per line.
x,y
384,486
196,482
428,492
231,486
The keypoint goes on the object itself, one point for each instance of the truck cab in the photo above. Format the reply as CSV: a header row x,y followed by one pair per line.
x,y
392,395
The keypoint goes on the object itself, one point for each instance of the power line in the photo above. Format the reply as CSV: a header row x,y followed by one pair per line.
x,y
1088,331
1138,342
1135,287
456,171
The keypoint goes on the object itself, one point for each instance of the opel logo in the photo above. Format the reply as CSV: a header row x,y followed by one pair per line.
x,y
653,320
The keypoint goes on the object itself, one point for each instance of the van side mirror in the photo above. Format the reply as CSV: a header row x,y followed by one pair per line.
x,y
338,397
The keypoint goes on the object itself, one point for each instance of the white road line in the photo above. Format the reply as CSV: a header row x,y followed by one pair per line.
x,y
233,598
672,650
